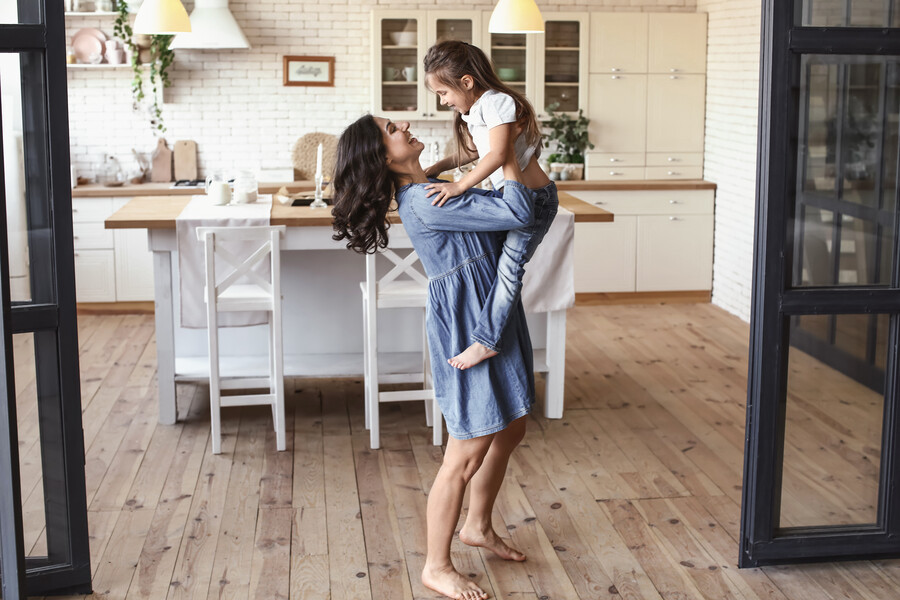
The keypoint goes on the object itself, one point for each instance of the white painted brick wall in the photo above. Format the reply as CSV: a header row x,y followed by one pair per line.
x,y
233,103
732,97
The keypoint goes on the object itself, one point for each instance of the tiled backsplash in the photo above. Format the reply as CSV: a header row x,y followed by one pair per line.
x,y
232,102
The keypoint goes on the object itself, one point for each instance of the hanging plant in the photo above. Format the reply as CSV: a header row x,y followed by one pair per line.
x,y
161,58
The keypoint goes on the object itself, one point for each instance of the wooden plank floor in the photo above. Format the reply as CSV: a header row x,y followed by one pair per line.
x,y
634,494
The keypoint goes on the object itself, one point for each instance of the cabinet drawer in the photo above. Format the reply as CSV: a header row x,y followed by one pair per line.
x,y
95,278
663,203
91,209
614,173
614,160
674,172
675,159
88,236
674,253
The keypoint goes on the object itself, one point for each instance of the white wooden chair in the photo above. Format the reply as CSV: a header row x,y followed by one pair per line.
x,y
233,285
404,286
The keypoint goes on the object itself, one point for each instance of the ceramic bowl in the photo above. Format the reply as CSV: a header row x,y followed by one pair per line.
x,y
507,73
404,38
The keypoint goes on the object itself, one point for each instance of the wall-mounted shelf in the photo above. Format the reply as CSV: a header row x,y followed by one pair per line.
x,y
91,13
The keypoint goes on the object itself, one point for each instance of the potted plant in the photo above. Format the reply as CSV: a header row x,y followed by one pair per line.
x,y
570,136
155,51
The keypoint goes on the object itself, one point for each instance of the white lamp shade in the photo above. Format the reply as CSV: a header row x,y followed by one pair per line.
x,y
162,17
516,16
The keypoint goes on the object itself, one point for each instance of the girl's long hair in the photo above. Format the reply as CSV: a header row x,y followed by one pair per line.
x,y
364,188
448,61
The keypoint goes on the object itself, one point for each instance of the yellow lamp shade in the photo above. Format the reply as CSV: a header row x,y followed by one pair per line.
x,y
162,17
516,16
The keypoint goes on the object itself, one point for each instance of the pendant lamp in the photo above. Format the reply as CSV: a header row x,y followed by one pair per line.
x,y
516,16
162,17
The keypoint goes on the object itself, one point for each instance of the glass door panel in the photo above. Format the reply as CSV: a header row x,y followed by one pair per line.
x,y
399,56
509,53
562,65
849,13
451,28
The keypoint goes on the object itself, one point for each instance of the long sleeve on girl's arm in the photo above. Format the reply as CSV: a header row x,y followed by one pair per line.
x,y
474,212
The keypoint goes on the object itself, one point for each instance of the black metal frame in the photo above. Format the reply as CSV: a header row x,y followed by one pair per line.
x,y
774,302
50,317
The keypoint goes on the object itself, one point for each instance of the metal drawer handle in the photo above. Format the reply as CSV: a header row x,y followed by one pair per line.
x,y
599,202
614,173
673,70
74,237
672,159
673,201
674,219
673,173
674,77
74,210
615,160
615,69
617,77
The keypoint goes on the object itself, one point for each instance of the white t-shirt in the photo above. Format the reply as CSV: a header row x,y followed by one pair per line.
x,y
490,110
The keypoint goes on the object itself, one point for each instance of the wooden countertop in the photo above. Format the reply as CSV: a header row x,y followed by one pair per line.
x,y
160,212
94,190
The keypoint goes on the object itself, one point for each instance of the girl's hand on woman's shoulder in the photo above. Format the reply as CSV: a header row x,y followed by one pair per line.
x,y
444,192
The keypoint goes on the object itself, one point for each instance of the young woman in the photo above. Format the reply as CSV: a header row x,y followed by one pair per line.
x,y
458,244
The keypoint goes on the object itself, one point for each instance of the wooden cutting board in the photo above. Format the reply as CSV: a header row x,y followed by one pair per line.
x,y
185,159
161,165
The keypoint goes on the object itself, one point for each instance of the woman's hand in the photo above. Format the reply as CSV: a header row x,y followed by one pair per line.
x,y
444,192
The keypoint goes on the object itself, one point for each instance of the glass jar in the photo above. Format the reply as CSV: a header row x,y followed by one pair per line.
x,y
245,188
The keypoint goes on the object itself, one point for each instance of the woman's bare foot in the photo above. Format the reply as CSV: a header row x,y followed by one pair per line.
x,y
452,584
471,356
490,541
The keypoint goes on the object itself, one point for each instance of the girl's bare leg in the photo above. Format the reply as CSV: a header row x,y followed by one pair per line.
x,y
461,460
478,529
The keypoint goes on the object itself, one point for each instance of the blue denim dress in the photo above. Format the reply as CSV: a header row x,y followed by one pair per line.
x,y
458,245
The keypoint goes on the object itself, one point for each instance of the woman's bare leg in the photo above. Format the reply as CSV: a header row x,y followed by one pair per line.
x,y
478,529
461,461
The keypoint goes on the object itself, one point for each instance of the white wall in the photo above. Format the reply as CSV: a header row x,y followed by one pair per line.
x,y
732,96
232,102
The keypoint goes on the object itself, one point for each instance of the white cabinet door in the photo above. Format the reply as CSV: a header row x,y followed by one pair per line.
x,y
675,113
443,25
605,256
677,43
618,42
674,252
398,43
95,279
134,266
561,69
618,113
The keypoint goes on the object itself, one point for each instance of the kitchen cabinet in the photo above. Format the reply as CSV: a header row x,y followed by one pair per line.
x,y
647,96
619,43
109,266
549,68
661,240
400,40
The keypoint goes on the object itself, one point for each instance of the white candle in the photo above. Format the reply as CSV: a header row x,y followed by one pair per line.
x,y
319,161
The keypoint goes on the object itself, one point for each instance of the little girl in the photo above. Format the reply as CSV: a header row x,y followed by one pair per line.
x,y
490,114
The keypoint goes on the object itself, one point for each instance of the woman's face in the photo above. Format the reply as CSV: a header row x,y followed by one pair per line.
x,y
401,146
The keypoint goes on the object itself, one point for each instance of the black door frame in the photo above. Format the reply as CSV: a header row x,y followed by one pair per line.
x,y
40,39
774,302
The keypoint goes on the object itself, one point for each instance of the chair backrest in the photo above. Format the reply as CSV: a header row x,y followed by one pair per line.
x,y
406,266
232,256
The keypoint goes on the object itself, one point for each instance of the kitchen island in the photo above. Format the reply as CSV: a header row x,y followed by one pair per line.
x,y
322,311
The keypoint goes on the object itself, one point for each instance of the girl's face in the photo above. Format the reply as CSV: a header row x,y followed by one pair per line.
x,y
459,99
400,144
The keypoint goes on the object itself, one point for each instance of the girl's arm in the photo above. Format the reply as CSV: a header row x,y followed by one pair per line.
x,y
500,137
475,212
449,163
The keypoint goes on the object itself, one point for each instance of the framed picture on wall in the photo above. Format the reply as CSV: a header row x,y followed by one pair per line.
x,y
309,70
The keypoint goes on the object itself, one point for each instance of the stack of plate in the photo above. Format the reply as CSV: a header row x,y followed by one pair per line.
x,y
89,45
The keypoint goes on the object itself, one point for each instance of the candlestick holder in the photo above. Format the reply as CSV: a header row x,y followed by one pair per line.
x,y
317,200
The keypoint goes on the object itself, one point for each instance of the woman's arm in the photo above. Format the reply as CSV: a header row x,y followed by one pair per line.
x,y
475,212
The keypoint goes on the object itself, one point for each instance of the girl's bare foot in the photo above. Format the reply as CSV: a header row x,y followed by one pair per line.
x,y
452,584
490,541
471,356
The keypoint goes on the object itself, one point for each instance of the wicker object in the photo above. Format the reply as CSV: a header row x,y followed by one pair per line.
x,y
303,155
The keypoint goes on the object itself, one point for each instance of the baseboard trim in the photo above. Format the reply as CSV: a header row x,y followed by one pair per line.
x,y
601,298
115,308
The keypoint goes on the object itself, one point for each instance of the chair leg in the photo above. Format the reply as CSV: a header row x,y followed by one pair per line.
x,y
278,377
426,370
366,382
437,430
215,409
372,368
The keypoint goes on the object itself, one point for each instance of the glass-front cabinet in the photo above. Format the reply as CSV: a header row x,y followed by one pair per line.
x,y
549,68
400,41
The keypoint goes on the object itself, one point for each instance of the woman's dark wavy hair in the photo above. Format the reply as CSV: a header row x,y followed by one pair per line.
x,y
449,60
363,188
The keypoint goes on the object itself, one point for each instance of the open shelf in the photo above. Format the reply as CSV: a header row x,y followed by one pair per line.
x,y
91,13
